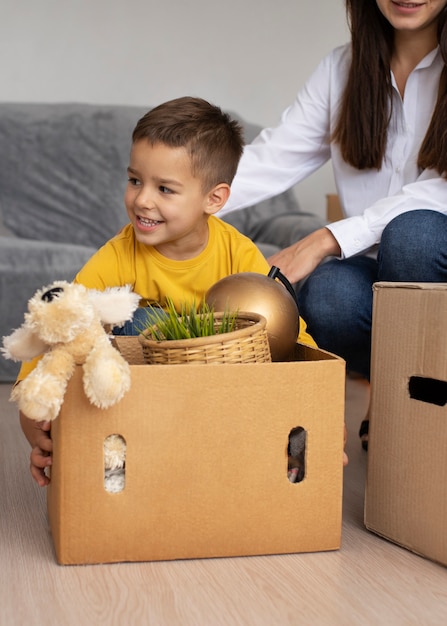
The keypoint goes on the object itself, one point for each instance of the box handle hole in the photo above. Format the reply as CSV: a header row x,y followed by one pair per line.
x,y
114,463
296,455
428,390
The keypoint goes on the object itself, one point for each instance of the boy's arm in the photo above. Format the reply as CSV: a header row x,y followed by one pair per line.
x,y
105,261
38,436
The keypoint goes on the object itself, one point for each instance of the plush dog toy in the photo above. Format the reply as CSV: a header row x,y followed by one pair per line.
x,y
65,323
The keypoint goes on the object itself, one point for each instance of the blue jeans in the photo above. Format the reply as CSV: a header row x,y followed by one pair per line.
x,y
336,299
141,318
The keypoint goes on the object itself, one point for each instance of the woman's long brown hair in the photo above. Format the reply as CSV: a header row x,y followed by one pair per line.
x,y
362,126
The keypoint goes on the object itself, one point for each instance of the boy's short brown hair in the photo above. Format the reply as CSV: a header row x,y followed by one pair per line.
x,y
213,140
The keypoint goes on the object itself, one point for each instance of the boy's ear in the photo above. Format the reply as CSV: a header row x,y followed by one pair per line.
x,y
217,197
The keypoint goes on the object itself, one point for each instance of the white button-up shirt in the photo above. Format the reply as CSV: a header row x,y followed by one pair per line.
x,y
283,156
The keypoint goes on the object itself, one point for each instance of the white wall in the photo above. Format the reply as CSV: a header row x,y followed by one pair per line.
x,y
249,56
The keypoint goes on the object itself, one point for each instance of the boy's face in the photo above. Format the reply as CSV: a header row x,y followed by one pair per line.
x,y
165,202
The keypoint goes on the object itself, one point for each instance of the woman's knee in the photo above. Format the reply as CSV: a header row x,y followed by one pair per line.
x,y
414,247
337,294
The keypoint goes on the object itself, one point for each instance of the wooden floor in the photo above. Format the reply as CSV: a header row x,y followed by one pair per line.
x,y
367,581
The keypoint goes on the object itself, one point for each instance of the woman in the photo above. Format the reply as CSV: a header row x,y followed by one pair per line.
x,y
378,109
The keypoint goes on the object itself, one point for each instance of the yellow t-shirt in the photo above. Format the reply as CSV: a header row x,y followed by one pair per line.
x,y
125,261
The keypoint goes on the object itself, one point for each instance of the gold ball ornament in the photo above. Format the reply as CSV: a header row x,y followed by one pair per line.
x,y
256,293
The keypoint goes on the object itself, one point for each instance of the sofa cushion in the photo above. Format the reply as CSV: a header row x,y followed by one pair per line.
x,y
63,174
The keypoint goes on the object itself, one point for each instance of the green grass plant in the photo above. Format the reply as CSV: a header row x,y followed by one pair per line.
x,y
169,324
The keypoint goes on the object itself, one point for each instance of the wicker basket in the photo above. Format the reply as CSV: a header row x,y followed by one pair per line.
x,y
130,348
248,343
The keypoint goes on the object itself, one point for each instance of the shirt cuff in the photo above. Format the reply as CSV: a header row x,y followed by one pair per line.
x,y
353,236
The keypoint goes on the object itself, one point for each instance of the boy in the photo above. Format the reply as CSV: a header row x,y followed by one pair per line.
x,y
183,158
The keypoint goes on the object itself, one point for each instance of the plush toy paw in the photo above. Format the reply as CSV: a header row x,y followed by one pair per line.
x,y
106,377
41,393
39,399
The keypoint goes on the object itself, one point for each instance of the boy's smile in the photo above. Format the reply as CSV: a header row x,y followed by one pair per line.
x,y
147,224
165,203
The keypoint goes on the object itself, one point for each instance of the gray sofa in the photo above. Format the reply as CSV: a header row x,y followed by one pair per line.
x,y
62,179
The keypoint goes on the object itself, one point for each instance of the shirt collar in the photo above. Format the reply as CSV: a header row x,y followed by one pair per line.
x,y
429,59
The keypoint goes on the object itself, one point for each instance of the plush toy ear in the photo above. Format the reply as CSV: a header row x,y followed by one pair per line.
x,y
115,305
22,345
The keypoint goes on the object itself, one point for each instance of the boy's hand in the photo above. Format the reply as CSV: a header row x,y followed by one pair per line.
x,y
40,457
38,435
345,456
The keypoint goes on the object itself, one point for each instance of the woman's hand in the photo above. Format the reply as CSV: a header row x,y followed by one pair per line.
x,y
38,435
301,258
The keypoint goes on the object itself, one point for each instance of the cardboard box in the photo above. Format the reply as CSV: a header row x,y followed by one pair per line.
x,y
406,494
206,465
